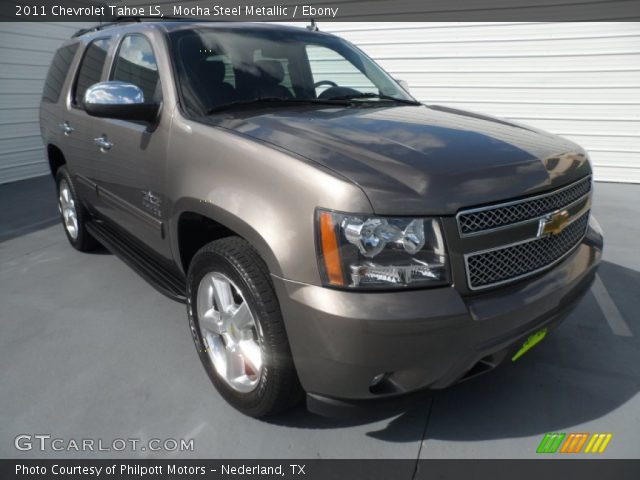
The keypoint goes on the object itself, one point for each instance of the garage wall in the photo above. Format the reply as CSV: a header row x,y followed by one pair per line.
x,y
580,80
26,49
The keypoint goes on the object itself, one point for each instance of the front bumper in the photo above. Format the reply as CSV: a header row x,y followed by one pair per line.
x,y
422,339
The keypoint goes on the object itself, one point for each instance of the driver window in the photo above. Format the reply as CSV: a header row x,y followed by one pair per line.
x,y
136,64
329,66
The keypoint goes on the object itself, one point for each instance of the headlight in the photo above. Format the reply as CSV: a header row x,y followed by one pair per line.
x,y
359,251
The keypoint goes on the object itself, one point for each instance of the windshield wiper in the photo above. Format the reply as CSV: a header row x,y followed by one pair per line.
x,y
274,100
381,96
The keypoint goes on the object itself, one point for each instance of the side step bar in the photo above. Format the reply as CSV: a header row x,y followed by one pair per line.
x,y
160,278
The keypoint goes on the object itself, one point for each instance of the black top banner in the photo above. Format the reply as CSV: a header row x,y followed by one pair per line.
x,y
329,10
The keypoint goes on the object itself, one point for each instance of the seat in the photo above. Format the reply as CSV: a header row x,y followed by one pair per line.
x,y
271,75
204,75
211,75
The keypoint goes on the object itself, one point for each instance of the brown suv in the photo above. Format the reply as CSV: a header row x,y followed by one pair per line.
x,y
328,233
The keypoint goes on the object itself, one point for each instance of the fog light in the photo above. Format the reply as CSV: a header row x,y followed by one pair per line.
x,y
382,384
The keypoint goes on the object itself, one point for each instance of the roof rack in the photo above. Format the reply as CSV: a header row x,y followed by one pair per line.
x,y
133,19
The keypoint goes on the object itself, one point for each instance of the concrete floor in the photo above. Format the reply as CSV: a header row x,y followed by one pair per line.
x,y
89,350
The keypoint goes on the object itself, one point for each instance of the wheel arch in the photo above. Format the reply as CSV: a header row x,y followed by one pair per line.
x,y
56,158
197,223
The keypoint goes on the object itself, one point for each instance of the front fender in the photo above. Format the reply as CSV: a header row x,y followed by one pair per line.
x,y
223,217
266,195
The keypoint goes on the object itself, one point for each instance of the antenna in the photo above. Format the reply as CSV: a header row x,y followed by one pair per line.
x,y
313,27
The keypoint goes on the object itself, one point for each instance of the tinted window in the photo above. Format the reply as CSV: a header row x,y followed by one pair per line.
x,y
229,74
91,67
216,67
58,72
136,64
259,56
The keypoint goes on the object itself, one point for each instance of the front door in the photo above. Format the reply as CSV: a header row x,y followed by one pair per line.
x,y
131,185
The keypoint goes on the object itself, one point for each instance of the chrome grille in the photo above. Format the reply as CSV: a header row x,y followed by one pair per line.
x,y
500,265
480,219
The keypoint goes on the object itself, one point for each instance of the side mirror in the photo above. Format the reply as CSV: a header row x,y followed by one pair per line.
x,y
403,84
120,100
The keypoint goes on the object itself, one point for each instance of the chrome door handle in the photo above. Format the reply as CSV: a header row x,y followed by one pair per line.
x,y
65,128
103,143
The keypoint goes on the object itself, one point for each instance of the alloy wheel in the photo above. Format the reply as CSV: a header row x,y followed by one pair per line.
x,y
67,208
231,334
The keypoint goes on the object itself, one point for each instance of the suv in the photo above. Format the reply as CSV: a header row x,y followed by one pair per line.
x,y
329,234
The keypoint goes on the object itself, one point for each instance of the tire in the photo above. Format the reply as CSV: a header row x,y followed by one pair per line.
x,y
258,392
76,231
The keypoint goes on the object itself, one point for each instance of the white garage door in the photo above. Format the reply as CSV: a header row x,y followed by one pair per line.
x,y
26,50
580,80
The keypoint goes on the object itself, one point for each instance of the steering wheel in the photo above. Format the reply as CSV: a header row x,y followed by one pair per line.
x,y
325,82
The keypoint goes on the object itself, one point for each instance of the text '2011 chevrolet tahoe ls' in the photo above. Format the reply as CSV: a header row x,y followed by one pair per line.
x,y
329,234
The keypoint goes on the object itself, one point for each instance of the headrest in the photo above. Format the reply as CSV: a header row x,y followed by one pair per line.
x,y
192,49
212,70
271,70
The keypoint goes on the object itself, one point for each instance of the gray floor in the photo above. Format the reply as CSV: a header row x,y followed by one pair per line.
x,y
89,350
27,207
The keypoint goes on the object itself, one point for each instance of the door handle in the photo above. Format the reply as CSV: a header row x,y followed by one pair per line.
x,y
65,128
103,143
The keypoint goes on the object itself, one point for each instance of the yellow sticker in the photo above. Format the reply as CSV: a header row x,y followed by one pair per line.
x,y
529,343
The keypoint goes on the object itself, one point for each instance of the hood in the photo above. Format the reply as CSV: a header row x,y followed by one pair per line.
x,y
417,159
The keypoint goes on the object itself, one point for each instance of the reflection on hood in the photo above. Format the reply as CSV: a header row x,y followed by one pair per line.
x,y
418,160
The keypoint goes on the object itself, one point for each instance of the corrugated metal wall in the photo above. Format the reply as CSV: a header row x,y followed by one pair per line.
x,y
26,49
581,80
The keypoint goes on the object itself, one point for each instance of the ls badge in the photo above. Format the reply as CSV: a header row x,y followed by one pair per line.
x,y
151,202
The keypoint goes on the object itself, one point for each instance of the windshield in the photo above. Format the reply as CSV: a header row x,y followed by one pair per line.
x,y
219,67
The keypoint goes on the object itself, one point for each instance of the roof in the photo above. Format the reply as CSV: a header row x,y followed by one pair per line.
x,y
172,23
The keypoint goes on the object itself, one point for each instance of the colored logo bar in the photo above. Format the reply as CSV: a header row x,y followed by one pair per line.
x,y
574,443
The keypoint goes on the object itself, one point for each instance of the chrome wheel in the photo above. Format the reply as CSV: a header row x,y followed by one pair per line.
x,y
231,335
67,207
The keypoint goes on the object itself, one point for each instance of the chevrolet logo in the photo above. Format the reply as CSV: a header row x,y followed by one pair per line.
x,y
554,224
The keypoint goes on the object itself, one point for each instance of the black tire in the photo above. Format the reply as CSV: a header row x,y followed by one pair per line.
x,y
278,388
83,242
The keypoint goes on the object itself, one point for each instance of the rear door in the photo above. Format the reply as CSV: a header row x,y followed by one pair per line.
x,y
131,186
77,127
53,104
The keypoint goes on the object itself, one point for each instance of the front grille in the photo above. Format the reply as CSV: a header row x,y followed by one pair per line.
x,y
480,219
493,267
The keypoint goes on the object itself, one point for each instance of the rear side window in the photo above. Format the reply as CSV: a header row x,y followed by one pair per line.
x,y
58,72
136,64
91,67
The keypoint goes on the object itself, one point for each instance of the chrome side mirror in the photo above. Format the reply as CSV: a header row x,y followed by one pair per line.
x,y
120,100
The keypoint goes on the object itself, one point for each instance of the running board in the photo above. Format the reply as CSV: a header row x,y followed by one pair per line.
x,y
160,278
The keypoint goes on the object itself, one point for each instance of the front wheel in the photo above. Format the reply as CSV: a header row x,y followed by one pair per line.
x,y
238,330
